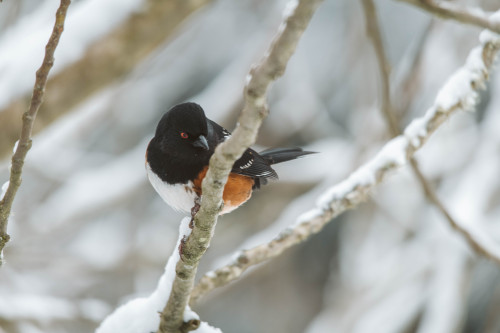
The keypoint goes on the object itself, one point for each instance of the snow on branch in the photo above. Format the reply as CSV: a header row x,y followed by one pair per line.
x,y
24,143
374,33
296,18
141,314
460,92
453,11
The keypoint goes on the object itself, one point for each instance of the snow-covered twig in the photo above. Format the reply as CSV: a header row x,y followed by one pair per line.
x,y
374,33
24,143
459,93
452,11
272,66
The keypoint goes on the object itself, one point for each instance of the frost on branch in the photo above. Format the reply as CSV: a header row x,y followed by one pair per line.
x,y
460,92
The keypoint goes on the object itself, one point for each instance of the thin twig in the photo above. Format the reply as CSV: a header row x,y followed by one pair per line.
x,y
410,80
376,37
432,196
373,31
24,143
451,11
355,189
271,67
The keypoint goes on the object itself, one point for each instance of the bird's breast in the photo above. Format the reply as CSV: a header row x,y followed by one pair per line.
x,y
180,197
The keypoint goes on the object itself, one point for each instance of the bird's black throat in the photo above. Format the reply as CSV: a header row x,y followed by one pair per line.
x,y
172,167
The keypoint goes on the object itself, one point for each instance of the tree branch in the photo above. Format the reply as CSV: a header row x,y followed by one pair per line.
x,y
373,31
451,11
272,66
459,93
24,143
376,37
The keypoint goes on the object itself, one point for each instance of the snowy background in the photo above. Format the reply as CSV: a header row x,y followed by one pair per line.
x,y
89,232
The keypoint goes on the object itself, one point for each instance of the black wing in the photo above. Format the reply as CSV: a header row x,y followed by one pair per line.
x,y
251,163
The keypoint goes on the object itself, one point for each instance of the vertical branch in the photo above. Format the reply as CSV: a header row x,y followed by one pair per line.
x,y
297,16
411,80
373,31
24,143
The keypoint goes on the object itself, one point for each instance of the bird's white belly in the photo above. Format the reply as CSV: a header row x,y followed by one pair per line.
x,y
180,197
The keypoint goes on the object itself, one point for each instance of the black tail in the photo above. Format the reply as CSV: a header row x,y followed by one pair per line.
x,y
278,155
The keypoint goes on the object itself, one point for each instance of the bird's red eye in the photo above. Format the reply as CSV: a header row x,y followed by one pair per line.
x,y
184,135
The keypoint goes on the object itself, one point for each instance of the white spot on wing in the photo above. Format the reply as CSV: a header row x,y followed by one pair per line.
x,y
247,165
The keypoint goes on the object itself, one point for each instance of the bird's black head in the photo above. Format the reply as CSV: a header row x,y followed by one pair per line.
x,y
183,128
180,149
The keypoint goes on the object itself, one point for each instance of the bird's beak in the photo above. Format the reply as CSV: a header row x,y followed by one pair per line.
x,y
201,142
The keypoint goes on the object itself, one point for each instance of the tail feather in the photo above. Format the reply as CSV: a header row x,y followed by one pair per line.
x,y
278,155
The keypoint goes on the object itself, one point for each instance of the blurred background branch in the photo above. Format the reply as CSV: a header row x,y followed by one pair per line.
x,y
453,11
105,61
373,31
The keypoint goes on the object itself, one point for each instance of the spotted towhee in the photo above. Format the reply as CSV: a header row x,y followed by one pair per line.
x,y
177,160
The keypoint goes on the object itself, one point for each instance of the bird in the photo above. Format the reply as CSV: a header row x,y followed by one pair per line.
x,y
178,155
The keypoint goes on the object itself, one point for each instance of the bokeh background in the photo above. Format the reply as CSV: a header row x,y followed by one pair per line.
x,y
89,232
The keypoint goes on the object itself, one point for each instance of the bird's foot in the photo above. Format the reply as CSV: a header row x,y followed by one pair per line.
x,y
181,245
194,211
